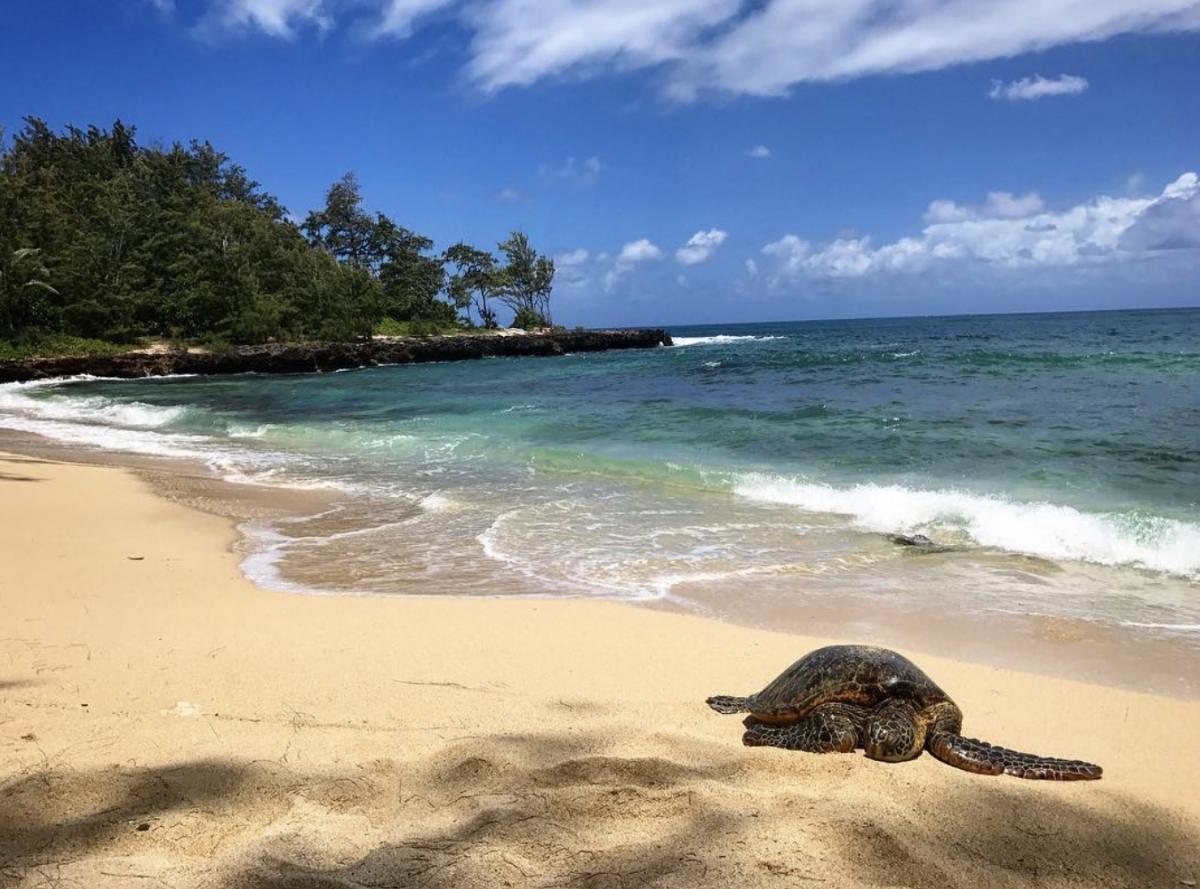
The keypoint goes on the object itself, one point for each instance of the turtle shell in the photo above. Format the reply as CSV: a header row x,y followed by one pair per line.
x,y
850,674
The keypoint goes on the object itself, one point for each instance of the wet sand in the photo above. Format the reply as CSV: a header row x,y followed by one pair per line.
x,y
164,722
876,602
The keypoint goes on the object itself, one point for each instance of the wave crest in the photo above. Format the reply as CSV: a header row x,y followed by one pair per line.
x,y
1040,529
721,339
88,408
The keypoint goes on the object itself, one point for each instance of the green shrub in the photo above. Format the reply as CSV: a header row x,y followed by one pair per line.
x,y
424,327
415,327
527,319
58,346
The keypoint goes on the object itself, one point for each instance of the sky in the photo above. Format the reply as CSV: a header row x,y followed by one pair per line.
x,y
691,161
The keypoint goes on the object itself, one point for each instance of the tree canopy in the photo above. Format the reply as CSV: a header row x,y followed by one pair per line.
x,y
101,237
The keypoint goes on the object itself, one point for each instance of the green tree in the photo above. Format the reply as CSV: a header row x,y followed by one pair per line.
x,y
526,281
411,280
474,281
101,237
342,227
23,290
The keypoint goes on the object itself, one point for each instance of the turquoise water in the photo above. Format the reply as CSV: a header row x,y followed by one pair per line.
x,y
1059,455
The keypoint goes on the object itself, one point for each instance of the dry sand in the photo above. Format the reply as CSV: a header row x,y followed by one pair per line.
x,y
165,723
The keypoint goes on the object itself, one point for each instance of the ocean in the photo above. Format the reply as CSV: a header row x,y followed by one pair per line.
x,y
752,471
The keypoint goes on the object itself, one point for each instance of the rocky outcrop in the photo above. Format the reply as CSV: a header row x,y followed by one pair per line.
x,y
316,357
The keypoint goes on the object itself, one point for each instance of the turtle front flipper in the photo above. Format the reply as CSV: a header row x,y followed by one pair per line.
x,y
728,704
988,759
826,730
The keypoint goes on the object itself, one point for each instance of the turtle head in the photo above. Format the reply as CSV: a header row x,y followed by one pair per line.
x,y
893,734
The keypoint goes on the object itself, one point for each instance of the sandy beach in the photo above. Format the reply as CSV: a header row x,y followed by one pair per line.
x,y
163,722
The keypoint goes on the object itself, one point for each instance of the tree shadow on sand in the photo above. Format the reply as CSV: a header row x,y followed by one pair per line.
x,y
10,477
561,809
542,810
49,815
553,810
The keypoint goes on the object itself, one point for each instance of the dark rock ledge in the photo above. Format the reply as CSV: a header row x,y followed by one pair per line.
x,y
315,357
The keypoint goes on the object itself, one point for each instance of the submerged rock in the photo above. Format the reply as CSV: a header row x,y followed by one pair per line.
x,y
921,544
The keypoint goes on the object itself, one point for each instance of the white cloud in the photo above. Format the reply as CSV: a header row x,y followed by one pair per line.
x,y
1011,232
572,258
1038,87
729,46
641,250
999,205
751,268
399,16
581,173
700,247
632,254
1171,222
946,211
517,43
277,18
758,152
1006,205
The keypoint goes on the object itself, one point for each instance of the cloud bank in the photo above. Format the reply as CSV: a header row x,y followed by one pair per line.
x,y
1009,232
728,46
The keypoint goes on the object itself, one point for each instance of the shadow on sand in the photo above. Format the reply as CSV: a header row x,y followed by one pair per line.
x,y
559,810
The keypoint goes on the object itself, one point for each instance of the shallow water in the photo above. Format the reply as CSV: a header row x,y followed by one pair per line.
x,y
752,471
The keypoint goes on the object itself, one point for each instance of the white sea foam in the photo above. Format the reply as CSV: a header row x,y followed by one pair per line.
x,y
437,503
721,339
14,397
134,427
96,422
1040,529
1177,628
112,437
238,430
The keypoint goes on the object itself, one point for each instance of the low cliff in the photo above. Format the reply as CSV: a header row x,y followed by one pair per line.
x,y
310,357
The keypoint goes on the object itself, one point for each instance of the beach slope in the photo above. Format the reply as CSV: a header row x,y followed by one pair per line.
x,y
165,723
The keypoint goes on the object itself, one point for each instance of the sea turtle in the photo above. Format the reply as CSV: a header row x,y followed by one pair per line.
x,y
838,698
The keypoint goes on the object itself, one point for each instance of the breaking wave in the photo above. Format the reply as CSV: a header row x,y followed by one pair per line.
x,y
721,339
1040,529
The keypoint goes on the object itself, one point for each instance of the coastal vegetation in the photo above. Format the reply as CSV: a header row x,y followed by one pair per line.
x,y
106,241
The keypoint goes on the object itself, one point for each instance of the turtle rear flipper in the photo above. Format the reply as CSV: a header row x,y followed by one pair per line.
x,y
987,759
728,704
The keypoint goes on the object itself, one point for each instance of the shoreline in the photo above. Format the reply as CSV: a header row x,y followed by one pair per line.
x,y
1091,652
167,720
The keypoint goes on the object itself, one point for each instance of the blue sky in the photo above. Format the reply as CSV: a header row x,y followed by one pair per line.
x,y
691,160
